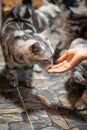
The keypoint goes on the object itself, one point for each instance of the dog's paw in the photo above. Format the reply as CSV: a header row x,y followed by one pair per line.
x,y
29,84
80,105
13,83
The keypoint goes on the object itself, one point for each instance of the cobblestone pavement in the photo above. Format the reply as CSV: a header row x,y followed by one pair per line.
x,y
55,112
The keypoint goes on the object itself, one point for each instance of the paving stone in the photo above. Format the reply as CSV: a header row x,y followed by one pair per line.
x,y
20,126
32,115
58,87
32,101
41,117
80,128
66,101
50,76
36,115
72,118
6,118
43,83
84,115
39,124
4,127
57,120
11,108
24,116
50,128
83,127
49,94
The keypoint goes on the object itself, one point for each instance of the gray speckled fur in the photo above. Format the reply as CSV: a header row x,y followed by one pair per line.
x,y
22,46
79,73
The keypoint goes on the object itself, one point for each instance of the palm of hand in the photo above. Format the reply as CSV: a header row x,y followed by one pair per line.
x,y
65,62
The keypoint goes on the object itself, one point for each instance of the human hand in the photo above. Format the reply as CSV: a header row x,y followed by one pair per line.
x,y
69,60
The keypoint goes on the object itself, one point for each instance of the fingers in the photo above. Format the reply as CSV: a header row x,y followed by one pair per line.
x,y
62,67
58,65
62,58
60,70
